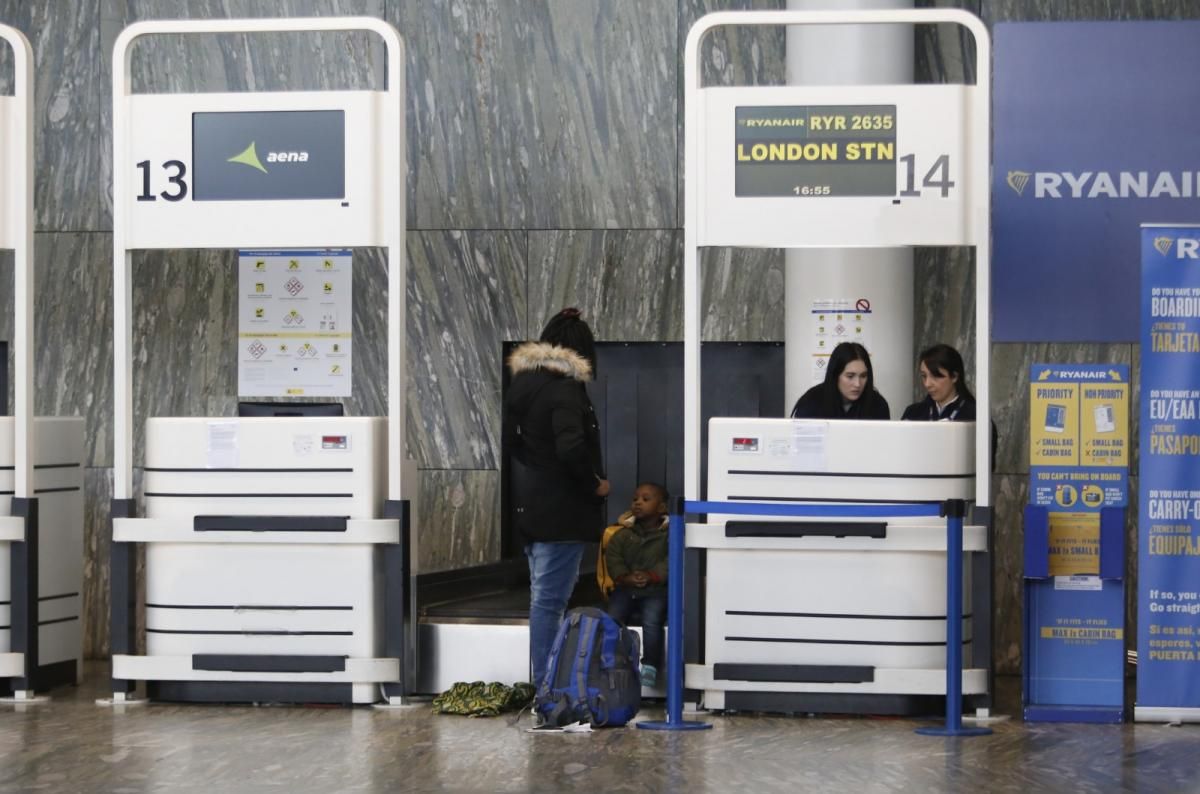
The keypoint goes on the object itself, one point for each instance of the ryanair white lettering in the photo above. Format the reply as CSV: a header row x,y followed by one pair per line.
x,y
1078,375
1105,184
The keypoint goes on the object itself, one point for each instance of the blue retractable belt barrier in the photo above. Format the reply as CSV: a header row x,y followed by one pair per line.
x,y
954,510
902,510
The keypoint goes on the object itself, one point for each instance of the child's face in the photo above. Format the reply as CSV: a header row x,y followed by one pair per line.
x,y
647,503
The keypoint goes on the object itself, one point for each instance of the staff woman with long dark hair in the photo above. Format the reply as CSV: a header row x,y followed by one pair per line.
x,y
947,396
848,391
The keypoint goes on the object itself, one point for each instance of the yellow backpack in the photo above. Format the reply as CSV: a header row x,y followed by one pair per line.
x,y
602,578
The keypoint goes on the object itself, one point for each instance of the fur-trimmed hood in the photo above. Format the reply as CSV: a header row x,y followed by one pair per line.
x,y
627,520
543,355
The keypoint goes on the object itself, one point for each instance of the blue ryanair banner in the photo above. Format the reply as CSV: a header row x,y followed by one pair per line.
x,y
1094,133
1168,679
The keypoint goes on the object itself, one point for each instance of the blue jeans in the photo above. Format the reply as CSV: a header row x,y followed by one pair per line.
x,y
623,602
553,570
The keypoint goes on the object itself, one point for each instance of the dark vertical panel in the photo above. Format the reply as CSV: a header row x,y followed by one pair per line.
x,y
3,378
23,609
654,405
770,368
598,393
738,384
672,382
123,633
510,543
399,609
712,403
621,430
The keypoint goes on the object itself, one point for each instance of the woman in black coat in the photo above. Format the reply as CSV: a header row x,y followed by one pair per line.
x,y
848,391
558,482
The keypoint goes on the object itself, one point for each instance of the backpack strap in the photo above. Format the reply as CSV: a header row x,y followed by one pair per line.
x,y
608,648
561,706
583,661
601,711
547,683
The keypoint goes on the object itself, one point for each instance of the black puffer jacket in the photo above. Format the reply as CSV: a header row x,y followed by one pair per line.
x,y
551,429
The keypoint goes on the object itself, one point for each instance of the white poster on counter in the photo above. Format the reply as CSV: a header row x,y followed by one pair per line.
x,y
294,323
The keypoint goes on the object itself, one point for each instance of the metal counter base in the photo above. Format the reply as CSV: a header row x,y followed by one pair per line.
x,y
905,692
276,679
267,576
58,482
295,692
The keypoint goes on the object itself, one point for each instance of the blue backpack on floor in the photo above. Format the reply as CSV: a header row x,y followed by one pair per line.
x,y
592,674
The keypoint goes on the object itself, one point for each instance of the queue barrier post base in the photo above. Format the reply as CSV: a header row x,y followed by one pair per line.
x,y
667,725
950,731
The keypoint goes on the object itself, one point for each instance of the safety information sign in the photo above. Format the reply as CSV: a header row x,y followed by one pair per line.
x,y
837,320
295,323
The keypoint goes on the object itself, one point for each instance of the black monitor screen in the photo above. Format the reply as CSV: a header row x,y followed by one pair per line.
x,y
290,409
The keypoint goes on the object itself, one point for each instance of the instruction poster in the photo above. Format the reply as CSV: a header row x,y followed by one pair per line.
x,y
1078,459
837,320
1078,441
1169,445
295,323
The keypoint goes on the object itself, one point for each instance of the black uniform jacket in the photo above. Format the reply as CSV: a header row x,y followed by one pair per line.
x,y
960,409
551,429
811,406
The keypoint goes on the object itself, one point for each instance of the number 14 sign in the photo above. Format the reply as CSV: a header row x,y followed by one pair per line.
x,y
795,166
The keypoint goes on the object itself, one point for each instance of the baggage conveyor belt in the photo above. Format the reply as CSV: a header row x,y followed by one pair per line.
x,y
473,624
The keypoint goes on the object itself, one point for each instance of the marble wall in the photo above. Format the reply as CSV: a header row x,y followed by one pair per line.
x,y
544,148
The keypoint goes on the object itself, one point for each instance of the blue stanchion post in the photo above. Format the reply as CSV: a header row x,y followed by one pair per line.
x,y
955,510
676,540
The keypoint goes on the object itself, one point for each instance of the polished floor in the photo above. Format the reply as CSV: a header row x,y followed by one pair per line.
x,y
70,744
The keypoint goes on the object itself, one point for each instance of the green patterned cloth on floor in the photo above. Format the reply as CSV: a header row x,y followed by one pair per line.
x,y
478,699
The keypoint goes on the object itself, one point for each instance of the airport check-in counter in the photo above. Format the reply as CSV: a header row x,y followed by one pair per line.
x,y
263,559
833,614
58,488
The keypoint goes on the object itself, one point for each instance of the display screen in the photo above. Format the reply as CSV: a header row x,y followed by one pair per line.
x,y
815,150
269,155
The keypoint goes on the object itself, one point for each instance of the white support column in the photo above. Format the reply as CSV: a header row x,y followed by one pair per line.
x,y
19,195
395,196
851,55
692,146
122,282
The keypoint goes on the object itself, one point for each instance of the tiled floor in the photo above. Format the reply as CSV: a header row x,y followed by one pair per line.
x,y
70,744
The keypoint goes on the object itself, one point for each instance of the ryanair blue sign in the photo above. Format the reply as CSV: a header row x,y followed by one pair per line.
x,y
1168,489
1082,156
